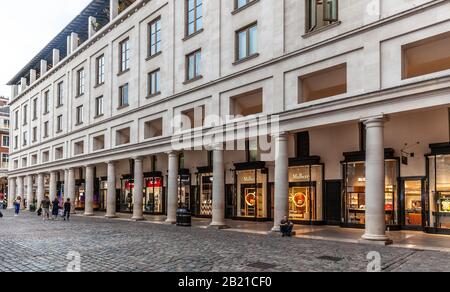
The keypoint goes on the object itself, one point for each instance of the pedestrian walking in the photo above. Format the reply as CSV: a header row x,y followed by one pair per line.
x,y
45,205
55,209
17,204
2,199
67,208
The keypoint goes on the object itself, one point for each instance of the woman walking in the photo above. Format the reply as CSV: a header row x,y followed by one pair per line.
x,y
55,209
17,204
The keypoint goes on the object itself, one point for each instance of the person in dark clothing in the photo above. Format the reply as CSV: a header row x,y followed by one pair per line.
x,y
55,209
67,208
286,227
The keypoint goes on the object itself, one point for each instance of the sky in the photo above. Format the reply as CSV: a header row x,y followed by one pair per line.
x,y
26,27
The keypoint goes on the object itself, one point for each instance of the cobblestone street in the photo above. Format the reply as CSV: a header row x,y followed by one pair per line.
x,y
29,244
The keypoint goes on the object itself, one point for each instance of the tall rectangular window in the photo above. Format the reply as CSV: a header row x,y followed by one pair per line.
x,y
34,134
16,142
99,106
194,16
35,103
59,122
46,102
123,96
16,120
247,42
60,94
320,14
79,115
155,37
25,115
241,3
46,129
154,83
5,141
124,55
25,138
80,82
100,70
193,63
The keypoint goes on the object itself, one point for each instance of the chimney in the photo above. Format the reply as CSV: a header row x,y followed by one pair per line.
x,y
55,57
92,22
32,76
74,41
44,67
114,9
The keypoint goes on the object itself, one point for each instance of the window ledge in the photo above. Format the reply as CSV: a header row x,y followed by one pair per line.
x,y
237,10
123,72
322,29
59,132
251,57
99,85
187,37
153,95
153,56
78,124
79,95
123,106
46,113
192,80
99,116
59,106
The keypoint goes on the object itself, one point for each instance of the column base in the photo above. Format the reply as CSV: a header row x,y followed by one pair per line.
x,y
382,240
136,219
110,216
218,226
88,214
170,222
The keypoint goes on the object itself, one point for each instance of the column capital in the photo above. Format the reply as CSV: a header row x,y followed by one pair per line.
x,y
138,158
280,135
172,153
375,121
111,161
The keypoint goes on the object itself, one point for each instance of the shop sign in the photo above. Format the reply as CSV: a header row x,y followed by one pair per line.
x,y
154,182
129,185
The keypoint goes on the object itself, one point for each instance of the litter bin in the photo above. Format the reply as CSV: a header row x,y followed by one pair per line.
x,y
184,217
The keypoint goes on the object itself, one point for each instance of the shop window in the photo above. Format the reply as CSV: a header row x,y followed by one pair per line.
x,y
320,13
123,136
251,196
439,193
324,83
426,56
355,192
153,129
246,104
78,148
34,159
59,153
45,156
413,203
193,118
99,143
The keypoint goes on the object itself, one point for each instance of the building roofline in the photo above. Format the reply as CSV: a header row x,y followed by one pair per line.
x,y
79,25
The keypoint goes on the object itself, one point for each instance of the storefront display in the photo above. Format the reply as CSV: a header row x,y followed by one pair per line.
x,y
103,192
251,194
204,192
355,191
439,187
153,193
184,189
126,194
305,192
412,189
80,198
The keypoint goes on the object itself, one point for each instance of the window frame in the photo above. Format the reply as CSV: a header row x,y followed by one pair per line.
x,y
157,84
25,114
124,55
59,124
150,39
197,75
123,104
60,94
46,102
308,17
100,70
34,109
81,82
5,145
79,115
196,18
247,40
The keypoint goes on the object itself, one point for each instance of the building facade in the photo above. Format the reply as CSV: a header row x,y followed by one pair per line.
x,y
4,146
355,94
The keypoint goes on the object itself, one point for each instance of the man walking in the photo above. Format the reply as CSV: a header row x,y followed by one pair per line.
x,y
45,205
2,199
67,208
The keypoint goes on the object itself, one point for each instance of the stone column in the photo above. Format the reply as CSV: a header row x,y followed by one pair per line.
x,y
375,182
172,188
71,189
11,192
53,188
20,189
29,191
89,196
66,185
114,9
218,201
111,195
138,207
281,197
40,189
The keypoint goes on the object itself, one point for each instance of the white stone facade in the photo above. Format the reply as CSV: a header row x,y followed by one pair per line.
x,y
368,38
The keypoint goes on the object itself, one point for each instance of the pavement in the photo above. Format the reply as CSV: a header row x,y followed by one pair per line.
x,y
29,244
